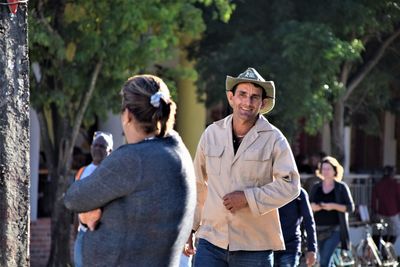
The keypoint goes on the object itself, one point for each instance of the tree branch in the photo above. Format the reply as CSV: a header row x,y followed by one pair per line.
x,y
81,111
43,20
48,145
346,69
370,64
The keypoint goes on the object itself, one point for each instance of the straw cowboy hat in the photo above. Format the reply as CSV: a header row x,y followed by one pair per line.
x,y
252,76
335,164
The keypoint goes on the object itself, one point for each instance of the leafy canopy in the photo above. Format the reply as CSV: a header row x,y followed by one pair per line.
x,y
305,46
68,38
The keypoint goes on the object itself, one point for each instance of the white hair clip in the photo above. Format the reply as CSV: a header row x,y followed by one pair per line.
x,y
155,99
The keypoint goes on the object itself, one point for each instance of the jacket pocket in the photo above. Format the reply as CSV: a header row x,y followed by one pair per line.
x,y
257,155
258,165
213,159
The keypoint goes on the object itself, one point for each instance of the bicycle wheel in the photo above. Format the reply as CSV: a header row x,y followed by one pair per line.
x,y
342,258
367,254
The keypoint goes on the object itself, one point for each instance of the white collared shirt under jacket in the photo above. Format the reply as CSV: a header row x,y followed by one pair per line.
x,y
263,167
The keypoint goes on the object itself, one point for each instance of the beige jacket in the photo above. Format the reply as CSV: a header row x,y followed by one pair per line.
x,y
263,167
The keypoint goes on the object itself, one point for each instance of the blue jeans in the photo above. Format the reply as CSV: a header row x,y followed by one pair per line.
x,y
78,257
208,255
286,259
327,247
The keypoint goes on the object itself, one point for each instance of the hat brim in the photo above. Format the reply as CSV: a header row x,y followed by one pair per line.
x,y
268,87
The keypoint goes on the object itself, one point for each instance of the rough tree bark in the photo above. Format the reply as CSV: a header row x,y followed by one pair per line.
x,y
14,138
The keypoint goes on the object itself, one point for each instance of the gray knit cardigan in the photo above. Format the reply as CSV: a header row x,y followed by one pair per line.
x,y
147,194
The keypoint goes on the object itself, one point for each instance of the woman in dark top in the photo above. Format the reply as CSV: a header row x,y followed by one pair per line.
x,y
145,189
331,202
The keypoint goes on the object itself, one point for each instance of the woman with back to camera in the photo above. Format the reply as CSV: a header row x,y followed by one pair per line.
x,y
146,188
331,202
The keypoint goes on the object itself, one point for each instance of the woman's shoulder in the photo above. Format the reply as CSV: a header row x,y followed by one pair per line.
x,y
126,152
341,184
316,185
342,188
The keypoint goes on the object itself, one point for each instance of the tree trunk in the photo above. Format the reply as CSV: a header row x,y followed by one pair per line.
x,y
59,171
337,129
61,220
14,138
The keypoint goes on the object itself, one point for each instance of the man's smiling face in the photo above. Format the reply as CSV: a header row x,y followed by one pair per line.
x,y
246,101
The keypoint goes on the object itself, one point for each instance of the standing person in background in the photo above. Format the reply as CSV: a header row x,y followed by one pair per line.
x,y
385,202
292,216
101,147
331,202
245,171
145,188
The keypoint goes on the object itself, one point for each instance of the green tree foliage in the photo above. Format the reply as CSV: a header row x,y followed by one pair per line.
x,y
320,54
85,51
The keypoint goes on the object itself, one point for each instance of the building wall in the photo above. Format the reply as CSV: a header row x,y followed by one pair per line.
x,y
39,248
40,242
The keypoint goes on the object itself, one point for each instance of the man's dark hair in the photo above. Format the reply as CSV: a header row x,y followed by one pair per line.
x,y
263,94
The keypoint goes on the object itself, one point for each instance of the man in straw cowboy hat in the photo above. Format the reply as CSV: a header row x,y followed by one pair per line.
x,y
245,171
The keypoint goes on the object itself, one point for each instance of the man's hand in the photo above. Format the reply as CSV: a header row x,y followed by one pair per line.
x,y
90,218
235,201
311,258
189,248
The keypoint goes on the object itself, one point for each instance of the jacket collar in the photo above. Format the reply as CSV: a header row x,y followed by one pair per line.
x,y
262,124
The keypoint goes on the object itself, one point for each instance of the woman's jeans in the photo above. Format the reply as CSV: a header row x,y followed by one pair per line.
x,y
326,248
185,261
286,259
208,255
78,257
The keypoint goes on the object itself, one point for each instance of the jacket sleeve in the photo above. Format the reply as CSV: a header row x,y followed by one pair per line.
x,y
201,182
108,182
308,221
285,186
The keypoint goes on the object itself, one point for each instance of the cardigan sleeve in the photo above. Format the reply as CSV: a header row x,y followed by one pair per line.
x,y
346,198
111,180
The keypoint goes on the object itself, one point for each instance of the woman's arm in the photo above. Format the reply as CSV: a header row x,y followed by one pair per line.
x,y
347,198
315,207
346,201
333,206
108,182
